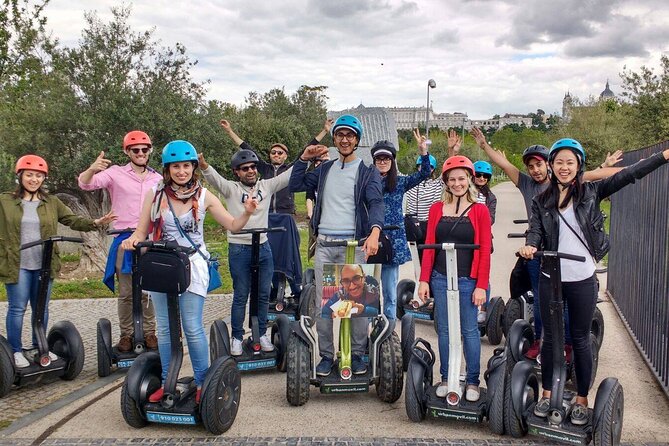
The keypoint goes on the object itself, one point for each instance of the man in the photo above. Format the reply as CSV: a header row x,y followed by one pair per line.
x,y
349,205
244,165
127,186
364,298
531,184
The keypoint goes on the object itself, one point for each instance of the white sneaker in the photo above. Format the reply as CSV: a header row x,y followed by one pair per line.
x,y
473,393
266,343
20,360
236,348
442,389
53,356
481,317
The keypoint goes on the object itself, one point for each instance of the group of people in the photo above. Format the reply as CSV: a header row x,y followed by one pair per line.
x,y
348,200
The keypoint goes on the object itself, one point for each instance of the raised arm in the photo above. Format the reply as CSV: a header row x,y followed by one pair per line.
x,y
454,143
224,218
496,156
231,133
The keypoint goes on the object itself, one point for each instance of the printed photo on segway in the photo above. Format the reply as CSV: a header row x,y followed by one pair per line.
x,y
350,290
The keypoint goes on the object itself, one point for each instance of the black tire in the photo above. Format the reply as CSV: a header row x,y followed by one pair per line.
x,y
131,413
6,367
513,424
414,392
308,302
408,337
104,361
496,389
597,326
594,352
512,311
280,335
219,340
405,289
390,381
607,429
65,341
220,400
495,321
309,276
298,371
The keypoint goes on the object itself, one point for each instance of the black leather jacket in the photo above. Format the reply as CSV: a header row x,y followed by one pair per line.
x,y
544,222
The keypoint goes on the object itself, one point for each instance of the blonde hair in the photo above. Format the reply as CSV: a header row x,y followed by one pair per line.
x,y
472,193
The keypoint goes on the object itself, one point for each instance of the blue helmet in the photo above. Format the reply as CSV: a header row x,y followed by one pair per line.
x,y
433,161
348,122
571,144
483,167
177,151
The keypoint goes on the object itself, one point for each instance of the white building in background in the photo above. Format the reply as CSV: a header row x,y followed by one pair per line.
x,y
407,118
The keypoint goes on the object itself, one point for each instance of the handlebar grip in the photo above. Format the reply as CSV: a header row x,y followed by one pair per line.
x,y
516,235
120,231
520,222
559,255
391,227
331,243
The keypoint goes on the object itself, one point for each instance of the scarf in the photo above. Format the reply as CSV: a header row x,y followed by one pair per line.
x,y
160,206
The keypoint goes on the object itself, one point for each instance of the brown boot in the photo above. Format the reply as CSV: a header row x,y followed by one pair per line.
x,y
124,344
151,341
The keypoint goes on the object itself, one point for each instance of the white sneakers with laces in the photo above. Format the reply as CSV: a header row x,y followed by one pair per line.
x,y
236,347
266,343
20,361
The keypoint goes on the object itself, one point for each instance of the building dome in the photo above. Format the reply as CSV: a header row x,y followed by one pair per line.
x,y
607,93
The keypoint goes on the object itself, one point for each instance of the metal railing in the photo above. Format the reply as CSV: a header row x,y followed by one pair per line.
x,y
638,275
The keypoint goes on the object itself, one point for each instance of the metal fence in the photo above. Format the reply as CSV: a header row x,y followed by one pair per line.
x,y
638,275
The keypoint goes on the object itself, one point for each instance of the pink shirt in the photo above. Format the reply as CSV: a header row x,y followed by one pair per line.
x,y
126,190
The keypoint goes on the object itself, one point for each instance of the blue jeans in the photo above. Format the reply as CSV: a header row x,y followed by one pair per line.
x,y
239,257
468,325
191,307
389,278
18,295
534,270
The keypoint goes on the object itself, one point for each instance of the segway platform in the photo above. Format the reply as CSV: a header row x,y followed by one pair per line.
x,y
334,384
35,373
251,360
184,411
564,433
471,411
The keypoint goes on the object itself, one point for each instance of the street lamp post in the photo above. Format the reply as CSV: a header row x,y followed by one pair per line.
x,y
430,84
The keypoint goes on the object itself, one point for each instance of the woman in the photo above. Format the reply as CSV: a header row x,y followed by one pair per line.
x,y
566,218
483,174
394,188
175,211
459,218
27,215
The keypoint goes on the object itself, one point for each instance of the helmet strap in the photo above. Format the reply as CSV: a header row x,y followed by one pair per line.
x,y
139,165
457,206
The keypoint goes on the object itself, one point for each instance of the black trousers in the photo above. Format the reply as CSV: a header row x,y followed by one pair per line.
x,y
581,298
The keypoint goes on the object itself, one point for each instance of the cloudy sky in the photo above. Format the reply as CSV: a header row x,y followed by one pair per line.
x,y
486,56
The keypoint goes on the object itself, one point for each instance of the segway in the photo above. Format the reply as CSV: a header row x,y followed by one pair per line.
x,y
285,250
63,338
165,268
385,356
252,357
420,395
605,420
108,354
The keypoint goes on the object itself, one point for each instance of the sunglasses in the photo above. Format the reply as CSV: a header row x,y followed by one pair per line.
x,y
276,152
247,168
382,159
355,279
483,175
143,150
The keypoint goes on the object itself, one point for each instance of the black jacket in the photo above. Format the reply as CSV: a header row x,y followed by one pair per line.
x,y
544,222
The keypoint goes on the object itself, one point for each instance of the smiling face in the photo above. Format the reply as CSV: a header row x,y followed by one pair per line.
x,y
537,169
565,166
277,155
32,180
139,154
480,180
181,172
457,181
248,174
346,141
383,163
353,281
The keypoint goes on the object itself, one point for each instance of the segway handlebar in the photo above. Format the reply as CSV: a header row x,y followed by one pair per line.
x,y
516,235
260,230
446,245
331,243
521,222
120,231
559,255
167,246
58,238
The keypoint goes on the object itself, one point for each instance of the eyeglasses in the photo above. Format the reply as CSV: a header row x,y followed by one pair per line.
x,y
247,168
276,152
143,150
355,279
382,159
346,136
482,175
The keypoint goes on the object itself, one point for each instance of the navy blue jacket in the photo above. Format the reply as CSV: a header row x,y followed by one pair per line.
x,y
368,194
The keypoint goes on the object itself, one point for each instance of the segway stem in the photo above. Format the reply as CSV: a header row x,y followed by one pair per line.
x,y
176,348
137,312
38,316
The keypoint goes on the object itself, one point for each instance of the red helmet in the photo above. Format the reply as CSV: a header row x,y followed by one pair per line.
x,y
32,162
136,137
458,161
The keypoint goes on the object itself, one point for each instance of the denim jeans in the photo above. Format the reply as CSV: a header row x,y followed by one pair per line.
x,y
191,307
534,270
18,296
389,278
240,260
468,325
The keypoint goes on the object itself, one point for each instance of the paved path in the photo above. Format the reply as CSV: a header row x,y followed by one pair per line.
x,y
90,406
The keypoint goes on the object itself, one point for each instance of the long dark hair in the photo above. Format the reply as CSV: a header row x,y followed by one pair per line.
x,y
390,179
551,196
20,191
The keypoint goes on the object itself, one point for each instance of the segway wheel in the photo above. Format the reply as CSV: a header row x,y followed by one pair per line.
x,y
298,371
609,410
65,341
519,338
220,397
525,380
6,367
390,381
496,380
597,327
130,410
219,340
104,361
308,304
408,336
405,289
512,312
415,389
280,335
309,276
494,322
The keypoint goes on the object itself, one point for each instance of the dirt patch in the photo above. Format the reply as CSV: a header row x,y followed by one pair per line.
x,y
71,271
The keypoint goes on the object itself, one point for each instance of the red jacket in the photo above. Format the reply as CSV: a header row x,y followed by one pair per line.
x,y
480,218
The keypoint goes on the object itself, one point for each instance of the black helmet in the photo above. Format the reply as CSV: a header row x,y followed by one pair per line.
x,y
384,147
535,151
242,157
